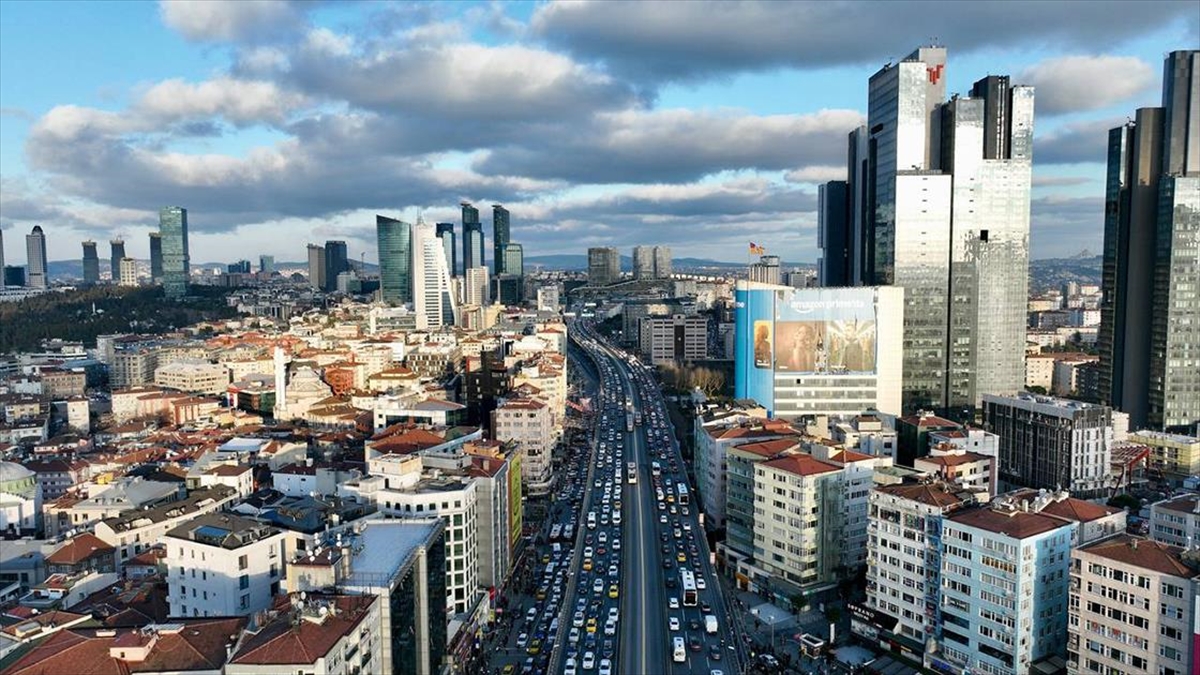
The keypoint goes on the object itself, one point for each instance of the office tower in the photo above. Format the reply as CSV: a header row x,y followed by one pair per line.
x,y
156,260
818,351
1149,339
477,288
266,264
766,270
36,267
833,234
336,262
127,272
395,260
508,289
662,262
604,266
432,294
445,232
1052,443
513,255
177,263
91,263
3,281
673,339
14,276
643,262
938,202
118,254
239,267
501,237
472,237
316,266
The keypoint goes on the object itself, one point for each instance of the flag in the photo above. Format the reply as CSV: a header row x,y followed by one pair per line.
x,y
755,249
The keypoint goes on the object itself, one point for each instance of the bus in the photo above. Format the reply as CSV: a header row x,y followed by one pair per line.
x,y
631,472
688,582
682,492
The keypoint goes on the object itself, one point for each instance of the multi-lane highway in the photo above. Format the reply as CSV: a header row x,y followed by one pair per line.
x,y
642,568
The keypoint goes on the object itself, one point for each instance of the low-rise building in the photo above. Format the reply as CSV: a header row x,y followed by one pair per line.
x,y
1173,457
193,376
1176,521
136,531
219,564
319,634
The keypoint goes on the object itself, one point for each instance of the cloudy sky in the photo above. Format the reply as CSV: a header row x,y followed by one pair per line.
x,y
698,125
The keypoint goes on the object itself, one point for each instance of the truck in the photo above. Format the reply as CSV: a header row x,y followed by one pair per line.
x,y
710,624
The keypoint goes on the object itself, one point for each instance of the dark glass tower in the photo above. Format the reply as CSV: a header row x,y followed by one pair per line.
x,y
35,255
395,260
472,237
173,226
156,268
91,263
336,261
445,232
833,230
118,254
501,237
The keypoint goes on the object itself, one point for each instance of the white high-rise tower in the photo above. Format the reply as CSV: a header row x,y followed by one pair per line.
x,y
281,362
432,293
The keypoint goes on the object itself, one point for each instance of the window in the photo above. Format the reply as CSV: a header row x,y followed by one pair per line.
x,y
244,582
243,562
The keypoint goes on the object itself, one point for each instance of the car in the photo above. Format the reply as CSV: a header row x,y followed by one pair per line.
x,y
612,591
667,565
573,636
673,623
589,660
694,644
664,536
587,564
682,557
705,608
694,623
523,640
666,549
701,583
673,602
608,650
535,647
610,627
509,670
569,667
662,519
578,620
591,624
605,667
612,570
714,652
671,582
672,510
587,551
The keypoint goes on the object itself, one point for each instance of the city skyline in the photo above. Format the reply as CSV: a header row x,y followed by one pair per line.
x,y
768,140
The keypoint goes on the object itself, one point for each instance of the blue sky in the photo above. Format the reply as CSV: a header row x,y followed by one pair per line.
x,y
697,125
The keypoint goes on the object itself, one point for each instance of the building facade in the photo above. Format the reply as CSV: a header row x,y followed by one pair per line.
x,y
501,238
445,232
833,234
432,293
36,267
177,262
128,272
674,339
316,266
529,424
336,261
219,564
91,263
396,248
117,247
604,266
472,237
156,257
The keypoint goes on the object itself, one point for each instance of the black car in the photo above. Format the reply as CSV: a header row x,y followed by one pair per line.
x,y
714,652
706,608
694,623
694,643
670,582
667,565
607,652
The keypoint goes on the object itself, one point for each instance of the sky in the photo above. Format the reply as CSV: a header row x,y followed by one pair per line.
x,y
702,126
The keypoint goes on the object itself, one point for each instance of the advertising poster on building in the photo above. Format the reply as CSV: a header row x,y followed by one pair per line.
x,y
825,331
762,344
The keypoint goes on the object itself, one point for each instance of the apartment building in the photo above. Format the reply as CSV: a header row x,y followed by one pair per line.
x,y
319,634
193,376
1176,521
798,517
737,551
528,423
133,532
675,339
220,564
715,433
969,469
1132,608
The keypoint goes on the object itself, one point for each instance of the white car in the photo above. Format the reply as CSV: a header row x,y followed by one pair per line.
x,y
569,667
674,623
610,627
578,620
613,613
616,545
663,519
701,583
589,660
673,603
605,667
597,586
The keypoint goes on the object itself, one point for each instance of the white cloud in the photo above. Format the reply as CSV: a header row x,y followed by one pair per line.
x,y
1071,84
815,174
239,101
230,20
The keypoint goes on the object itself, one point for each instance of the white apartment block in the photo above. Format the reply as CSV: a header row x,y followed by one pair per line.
x,y
1132,608
530,424
674,339
135,531
968,469
798,513
199,377
219,564
1039,371
1176,521
903,554
857,478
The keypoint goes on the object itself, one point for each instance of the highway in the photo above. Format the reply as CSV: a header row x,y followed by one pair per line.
x,y
660,529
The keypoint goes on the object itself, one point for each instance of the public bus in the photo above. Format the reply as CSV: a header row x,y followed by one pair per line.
x,y
688,582
682,493
631,472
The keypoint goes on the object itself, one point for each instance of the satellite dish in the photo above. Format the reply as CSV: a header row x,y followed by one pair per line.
x,y
303,595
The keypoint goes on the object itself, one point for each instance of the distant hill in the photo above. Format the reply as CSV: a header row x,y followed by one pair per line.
x,y
574,261
73,269
1050,273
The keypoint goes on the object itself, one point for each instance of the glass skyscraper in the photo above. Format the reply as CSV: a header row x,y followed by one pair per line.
x,y
944,212
336,261
501,237
173,226
472,237
1149,339
118,254
514,259
35,256
395,260
91,263
445,232
156,268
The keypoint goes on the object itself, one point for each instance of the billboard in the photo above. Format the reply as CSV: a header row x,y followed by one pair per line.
x,y
825,331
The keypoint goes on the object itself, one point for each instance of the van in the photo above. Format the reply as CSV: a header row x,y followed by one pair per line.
x,y
710,624
680,651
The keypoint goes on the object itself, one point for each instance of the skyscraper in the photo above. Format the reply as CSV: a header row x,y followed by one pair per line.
x,y
3,282
35,255
118,254
91,263
833,234
156,267
514,259
336,261
316,266
643,262
472,237
662,262
604,266
476,287
266,264
432,294
395,260
177,263
445,232
944,212
501,237
1149,339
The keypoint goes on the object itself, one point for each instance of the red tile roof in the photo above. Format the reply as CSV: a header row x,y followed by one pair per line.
x,y
1144,553
280,643
769,448
1015,524
801,464
931,494
79,548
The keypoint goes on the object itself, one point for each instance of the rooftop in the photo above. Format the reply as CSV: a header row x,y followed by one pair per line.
x,y
1144,553
1015,524
197,499
801,464
323,621
933,494
1183,504
223,529
387,546
79,548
